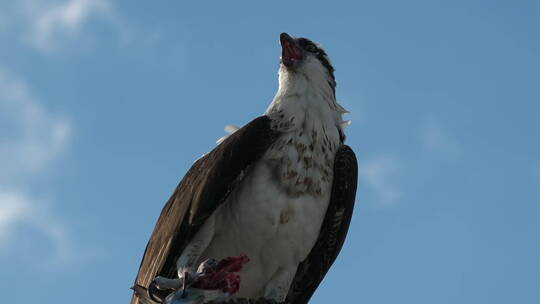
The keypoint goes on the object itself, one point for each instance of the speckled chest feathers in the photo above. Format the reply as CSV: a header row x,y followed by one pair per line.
x,y
306,112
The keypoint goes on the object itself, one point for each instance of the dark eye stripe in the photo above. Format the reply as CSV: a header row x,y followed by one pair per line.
x,y
305,43
311,48
321,55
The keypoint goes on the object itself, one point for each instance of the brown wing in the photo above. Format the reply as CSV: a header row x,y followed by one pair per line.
x,y
334,228
204,187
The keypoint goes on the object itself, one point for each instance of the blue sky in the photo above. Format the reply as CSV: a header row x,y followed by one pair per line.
x,y
105,104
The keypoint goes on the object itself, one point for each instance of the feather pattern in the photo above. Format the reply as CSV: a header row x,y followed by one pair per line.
x,y
280,190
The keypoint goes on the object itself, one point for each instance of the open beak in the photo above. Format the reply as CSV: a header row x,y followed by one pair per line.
x,y
290,53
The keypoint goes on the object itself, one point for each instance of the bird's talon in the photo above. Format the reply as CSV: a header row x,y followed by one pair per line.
x,y
153,289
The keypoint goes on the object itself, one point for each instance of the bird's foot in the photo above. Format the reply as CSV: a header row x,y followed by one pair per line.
x,y
213,281
163,283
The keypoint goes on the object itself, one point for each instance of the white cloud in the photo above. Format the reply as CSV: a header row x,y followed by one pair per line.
x,y
31,138
437,141
378,173
56,26
13,209
17,211
49,23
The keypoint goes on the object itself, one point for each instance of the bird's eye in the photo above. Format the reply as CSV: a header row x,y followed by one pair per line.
x,y
311,48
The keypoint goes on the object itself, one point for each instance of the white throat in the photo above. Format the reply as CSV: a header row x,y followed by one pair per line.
x,y
306,93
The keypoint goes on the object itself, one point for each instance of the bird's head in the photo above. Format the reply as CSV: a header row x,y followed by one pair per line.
x,y
304,58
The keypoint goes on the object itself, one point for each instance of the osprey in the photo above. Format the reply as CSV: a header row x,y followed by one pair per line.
x,y
278,193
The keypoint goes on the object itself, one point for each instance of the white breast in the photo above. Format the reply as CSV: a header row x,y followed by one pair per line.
x,y
275,214
274,230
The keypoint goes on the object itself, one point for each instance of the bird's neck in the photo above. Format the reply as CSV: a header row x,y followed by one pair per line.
x,y
305,97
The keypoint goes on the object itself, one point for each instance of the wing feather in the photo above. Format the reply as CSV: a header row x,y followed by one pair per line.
x,y
334,229
204,187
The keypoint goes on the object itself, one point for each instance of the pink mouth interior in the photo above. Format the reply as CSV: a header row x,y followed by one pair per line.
x,y
289,52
